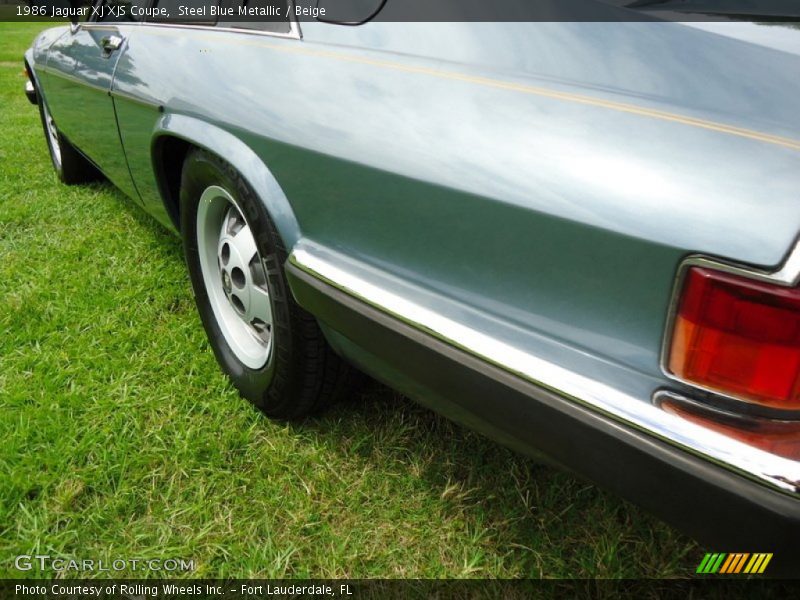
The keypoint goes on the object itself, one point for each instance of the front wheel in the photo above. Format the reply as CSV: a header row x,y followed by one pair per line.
x,y
271,349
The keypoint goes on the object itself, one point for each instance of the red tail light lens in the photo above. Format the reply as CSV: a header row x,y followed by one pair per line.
x,y
739,337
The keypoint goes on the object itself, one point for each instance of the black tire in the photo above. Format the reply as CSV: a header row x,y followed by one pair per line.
x,y
73,168
302,374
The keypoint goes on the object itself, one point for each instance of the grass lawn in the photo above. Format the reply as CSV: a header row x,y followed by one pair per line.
x,y
121,438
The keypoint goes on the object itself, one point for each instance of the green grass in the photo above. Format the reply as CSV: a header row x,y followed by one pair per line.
x,y
121,438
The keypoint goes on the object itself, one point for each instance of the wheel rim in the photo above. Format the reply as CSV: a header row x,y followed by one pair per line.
x,y
234,277
52,136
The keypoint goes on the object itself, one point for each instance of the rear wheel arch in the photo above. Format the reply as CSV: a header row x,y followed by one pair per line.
x,y
272,350
176,135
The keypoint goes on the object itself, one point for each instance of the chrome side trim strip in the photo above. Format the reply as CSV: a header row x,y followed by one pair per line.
x,y
774,471
788,275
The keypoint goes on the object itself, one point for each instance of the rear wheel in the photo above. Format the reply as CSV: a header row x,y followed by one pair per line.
x,y
271,349
71,166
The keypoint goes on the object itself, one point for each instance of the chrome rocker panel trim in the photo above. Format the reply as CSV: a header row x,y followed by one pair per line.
x,y
773,471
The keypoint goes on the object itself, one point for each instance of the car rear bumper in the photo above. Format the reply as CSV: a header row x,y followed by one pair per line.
x,y
712,496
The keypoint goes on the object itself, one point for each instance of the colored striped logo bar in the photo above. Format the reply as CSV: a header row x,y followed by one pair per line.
x,y
734,563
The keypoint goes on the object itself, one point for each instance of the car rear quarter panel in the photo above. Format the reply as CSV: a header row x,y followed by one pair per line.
x,y
543,182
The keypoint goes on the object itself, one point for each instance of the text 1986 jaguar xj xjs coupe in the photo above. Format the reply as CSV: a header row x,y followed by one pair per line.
x,y
577,238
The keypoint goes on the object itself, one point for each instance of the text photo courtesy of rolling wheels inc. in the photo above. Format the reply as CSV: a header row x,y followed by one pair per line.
x,y
318,302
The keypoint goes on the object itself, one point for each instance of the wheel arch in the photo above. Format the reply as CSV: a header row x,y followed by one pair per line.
x,y
175,135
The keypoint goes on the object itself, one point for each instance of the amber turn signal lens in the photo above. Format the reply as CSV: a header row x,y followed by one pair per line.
x,y
738,337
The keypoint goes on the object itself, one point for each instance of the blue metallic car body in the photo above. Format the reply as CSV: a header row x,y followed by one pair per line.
x,y
523,192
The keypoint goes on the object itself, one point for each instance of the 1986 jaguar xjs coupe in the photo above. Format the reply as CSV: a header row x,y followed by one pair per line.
x,y
577,238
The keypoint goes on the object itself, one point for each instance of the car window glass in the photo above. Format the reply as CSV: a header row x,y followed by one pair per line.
x,y
120,11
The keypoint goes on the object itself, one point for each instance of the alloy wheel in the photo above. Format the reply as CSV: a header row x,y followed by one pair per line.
x,y
235,277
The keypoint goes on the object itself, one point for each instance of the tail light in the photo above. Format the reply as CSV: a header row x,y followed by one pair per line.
x,y
738,337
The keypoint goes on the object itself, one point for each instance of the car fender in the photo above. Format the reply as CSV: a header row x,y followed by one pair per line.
x,y
222,143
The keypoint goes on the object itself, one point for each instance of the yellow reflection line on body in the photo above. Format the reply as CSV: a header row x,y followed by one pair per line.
x,y
294,46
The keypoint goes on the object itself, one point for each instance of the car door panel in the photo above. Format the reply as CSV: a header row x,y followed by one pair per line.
x,y
139,101
80,72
